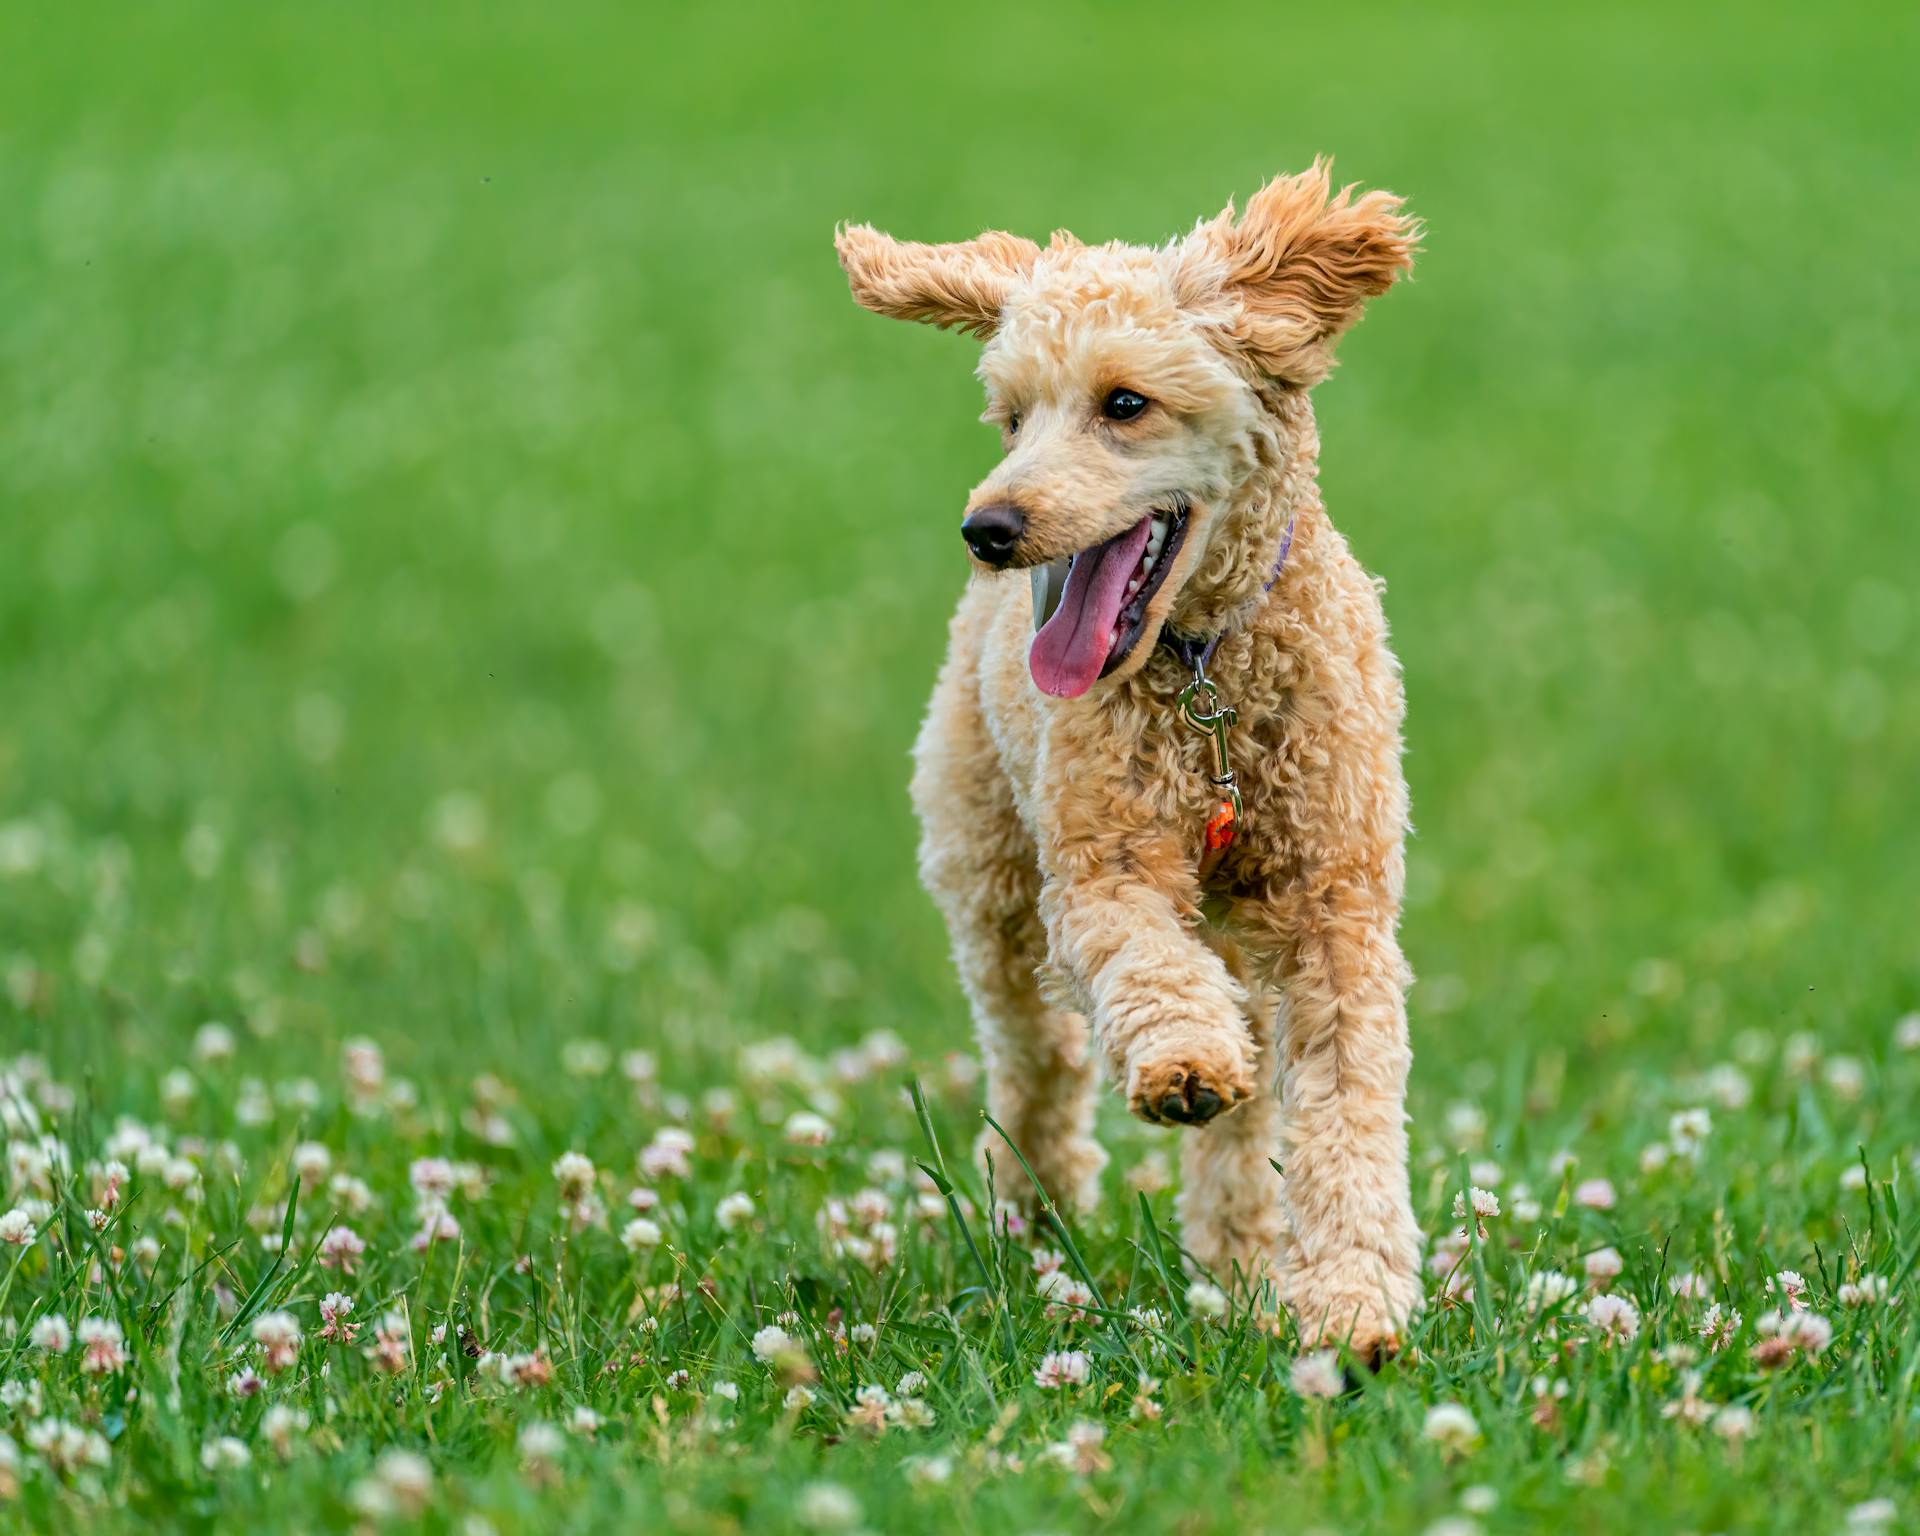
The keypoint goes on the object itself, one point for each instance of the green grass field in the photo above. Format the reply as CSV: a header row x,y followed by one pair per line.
x,y
468,580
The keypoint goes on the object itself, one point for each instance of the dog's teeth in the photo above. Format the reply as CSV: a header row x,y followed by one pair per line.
x,y
1133,586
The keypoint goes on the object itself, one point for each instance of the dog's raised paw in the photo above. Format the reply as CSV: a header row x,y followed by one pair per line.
x,y
1187,1087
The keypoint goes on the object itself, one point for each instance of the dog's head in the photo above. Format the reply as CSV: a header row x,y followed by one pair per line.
x,y
1129,384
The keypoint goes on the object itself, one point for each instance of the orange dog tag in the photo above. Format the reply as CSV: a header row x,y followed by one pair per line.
x,y
1221,826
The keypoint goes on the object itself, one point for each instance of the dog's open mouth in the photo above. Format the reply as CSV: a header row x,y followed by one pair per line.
x,y
1103,609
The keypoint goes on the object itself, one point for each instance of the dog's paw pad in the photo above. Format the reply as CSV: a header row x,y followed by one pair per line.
x,y
1187,1089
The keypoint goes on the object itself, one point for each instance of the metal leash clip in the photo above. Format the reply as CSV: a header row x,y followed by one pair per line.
x,y
1200,703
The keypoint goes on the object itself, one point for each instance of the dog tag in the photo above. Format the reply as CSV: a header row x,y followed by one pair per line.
x,y
1221,826
1049,581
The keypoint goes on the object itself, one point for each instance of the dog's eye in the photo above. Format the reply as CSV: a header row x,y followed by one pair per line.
x,y
1013,423
1123,405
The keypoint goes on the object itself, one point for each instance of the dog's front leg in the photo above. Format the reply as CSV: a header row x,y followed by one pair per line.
x,y
1118,904
1353,1267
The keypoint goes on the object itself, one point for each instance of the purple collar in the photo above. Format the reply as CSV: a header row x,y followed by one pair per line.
x,y
1195,651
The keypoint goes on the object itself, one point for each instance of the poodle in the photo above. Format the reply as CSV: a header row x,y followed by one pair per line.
x,y
1166,829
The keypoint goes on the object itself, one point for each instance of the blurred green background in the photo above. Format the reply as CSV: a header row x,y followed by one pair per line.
x,y
469,575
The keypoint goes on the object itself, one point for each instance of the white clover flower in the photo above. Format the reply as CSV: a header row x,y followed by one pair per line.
x,y
352,1195
1317,1375
102,1346
17,1229
541,1442
1063,1368
407,1479
640,1235
1613,1317
67,1447
1604,1265
1654,1156
1853,1177
312,1162
583,1421
1733,1423
884,1050
1718,1325
281,1426
1906,1033
1452,1427
1688,1129
1205,1299
1864,1292
51,1334
806,1129
573,1173
1689,1407
930,1471
213,1042
223,1453
1846,1077
827,1507
665,1156
1728,1086
1465,1124
1486,1204
1548,1288
1807,1332
733,1212
1082,1451
1064,1295
1595,1194
772,1342
278,1335
797,1398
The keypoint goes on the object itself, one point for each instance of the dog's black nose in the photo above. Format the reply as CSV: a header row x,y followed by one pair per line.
x,y
992,532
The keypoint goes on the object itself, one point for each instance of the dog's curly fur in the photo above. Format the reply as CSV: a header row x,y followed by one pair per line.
x,y
1061,834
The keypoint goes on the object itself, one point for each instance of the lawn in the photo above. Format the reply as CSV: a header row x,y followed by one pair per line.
x,y
468,581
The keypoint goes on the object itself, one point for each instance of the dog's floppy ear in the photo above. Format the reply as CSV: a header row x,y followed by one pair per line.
x,y
1300,265
964,284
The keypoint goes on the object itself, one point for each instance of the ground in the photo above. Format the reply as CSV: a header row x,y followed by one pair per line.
x,y
467,583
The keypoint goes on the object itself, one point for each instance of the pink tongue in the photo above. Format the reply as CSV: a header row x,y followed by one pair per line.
x,y
1072,646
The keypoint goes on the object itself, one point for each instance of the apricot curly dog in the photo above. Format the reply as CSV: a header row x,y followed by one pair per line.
x,y
1078,801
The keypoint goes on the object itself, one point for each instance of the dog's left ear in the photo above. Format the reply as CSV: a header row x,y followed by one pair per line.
x,y
964,284
1299,267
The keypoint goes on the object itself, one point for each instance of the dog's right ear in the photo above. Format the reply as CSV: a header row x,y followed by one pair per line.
x,y
964,284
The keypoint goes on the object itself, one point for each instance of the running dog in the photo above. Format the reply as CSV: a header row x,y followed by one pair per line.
x,y
1166,829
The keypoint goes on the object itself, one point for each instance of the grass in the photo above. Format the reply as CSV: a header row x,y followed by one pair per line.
x,y
468,577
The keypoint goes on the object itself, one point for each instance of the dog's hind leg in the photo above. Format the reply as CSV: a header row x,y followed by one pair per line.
x,y
979,864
